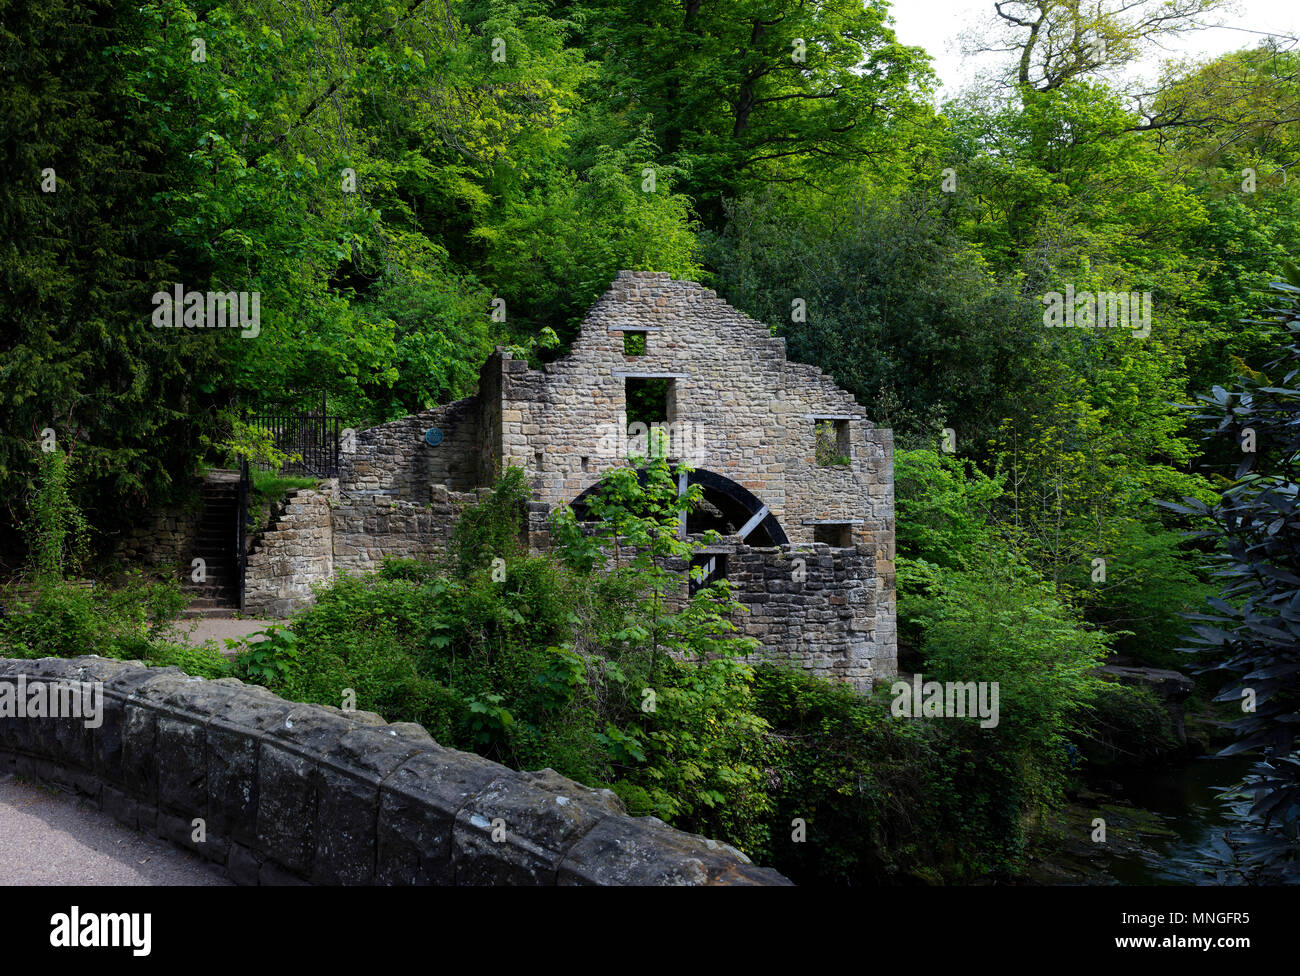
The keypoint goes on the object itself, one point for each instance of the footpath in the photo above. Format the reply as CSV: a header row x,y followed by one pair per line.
x,y
52,838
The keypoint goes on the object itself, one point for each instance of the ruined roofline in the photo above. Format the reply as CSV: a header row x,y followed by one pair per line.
x,y
796,374
595,321
451,411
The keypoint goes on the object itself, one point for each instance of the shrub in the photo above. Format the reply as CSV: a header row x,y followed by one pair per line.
x,y
57,532
69,620
203,662
1125,725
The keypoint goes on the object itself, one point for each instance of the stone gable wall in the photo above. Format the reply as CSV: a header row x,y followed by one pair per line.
x,y
754,412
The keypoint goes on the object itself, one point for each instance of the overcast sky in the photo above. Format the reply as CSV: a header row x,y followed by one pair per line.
x,y
936,24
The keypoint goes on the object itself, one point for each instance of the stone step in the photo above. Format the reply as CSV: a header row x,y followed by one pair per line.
x,y
217,476
212,582
219,580
192,613
220,586
204,603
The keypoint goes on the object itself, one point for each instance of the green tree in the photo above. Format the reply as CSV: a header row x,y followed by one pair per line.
x,y
744,93
83,246
1253,631
895,308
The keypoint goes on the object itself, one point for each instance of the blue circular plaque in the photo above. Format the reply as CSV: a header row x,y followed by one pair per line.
x,y
433,437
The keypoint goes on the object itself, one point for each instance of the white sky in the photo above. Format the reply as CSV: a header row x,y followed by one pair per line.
x,y
936,24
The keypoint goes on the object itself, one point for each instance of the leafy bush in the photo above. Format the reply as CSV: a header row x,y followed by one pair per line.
x,y
203,662
1125,725
132,621
1003,624
858,779
128,622
1252,634
56,530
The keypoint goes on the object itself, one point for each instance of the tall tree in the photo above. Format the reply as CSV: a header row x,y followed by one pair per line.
x,y
1052,42
742,93
83,246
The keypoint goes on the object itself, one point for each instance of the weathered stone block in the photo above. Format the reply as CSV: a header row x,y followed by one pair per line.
x,y
419,802
518,829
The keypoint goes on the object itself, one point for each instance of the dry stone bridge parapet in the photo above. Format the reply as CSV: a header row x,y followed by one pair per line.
x,y
289,793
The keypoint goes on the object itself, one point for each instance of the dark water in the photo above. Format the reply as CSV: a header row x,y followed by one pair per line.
x,y
1182,835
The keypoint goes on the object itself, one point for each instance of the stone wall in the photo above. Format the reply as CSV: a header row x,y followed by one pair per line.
x,y
285,559
393,458
317,533
369,527
291,794
818,614
163,537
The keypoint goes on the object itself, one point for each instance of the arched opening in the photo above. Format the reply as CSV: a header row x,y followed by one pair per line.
x,y
727,508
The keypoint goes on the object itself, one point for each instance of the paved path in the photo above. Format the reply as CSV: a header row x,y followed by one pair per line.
x,y
52,838
220,629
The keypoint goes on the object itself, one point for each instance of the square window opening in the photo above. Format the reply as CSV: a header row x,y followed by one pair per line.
x,y
835,534
634,343
832,437
710,566
649,400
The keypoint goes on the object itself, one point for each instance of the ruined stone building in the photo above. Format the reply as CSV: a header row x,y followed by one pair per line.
x,y
808,530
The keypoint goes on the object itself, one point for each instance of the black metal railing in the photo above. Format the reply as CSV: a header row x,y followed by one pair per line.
x,y
314,438
245,482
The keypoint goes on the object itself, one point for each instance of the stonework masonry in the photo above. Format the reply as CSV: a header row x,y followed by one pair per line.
x,y
291,794
809,545
165,537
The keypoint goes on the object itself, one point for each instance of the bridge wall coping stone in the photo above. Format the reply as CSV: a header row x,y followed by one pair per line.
x,y
295,793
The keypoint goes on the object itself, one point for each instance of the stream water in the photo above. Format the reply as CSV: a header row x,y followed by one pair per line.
x,y
1180,818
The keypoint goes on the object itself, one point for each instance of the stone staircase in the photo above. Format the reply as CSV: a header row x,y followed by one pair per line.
x,y
216,542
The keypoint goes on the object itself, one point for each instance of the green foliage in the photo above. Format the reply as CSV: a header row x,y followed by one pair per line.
x,y
1126,725
742,93
80,258
860,781
944,507
255,445
883,800
131,621
898,310
1252,632
273,661
202,662
57,530
1152,581
493,529
559,254
1000,622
